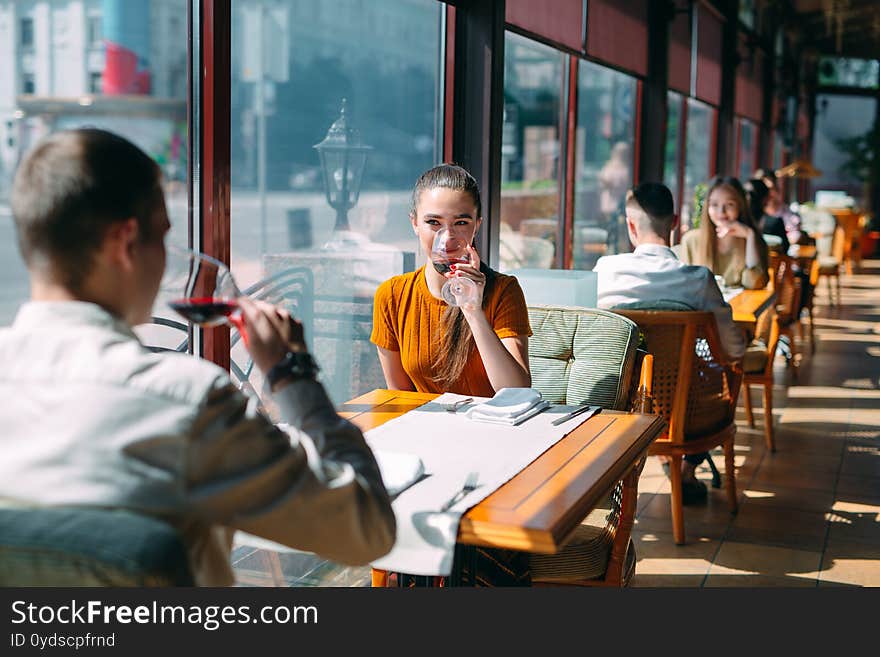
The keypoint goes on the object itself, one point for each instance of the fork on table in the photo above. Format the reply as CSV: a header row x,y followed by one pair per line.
x,y
456,405
470,485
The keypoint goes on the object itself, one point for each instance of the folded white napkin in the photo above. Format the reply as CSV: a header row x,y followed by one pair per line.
x,y
508,406
399,470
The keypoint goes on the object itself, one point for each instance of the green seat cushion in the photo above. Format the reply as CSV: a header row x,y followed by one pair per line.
x,y
579,355
89,547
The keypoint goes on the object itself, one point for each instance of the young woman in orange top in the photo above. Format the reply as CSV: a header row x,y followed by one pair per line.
x,y
425,344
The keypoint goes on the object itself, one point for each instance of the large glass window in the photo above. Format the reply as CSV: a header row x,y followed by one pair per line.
x,y
77,81
844,72
605,147
672,153
26,33
697,164
530,150
748,148
294,65
843,143
778,146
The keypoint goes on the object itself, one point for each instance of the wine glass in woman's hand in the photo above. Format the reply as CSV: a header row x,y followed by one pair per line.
x,y
447,252
201,289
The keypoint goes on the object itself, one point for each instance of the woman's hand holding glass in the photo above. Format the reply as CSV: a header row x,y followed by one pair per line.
x,y
458,261
733,228
468,297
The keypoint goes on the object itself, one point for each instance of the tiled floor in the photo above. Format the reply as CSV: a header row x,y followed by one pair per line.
x,y
809,514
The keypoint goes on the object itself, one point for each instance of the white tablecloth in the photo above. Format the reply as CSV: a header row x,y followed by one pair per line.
x,y
451,446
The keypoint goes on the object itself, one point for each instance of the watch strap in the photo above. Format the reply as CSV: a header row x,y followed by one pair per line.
x,y
294,365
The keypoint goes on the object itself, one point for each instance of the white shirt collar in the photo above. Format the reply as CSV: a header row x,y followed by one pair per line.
x,y
655,250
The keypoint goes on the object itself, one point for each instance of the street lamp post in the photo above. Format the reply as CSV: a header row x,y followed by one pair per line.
x,y
343,157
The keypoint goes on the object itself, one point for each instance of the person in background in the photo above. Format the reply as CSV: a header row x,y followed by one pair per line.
x,y
758,195
93,418
759,201
615,177
652,276
727,240
777,207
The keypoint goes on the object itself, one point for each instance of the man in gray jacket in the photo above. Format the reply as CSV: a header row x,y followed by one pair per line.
x,y
91,417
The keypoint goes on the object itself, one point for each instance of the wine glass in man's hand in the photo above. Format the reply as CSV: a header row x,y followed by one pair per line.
x,y
202,289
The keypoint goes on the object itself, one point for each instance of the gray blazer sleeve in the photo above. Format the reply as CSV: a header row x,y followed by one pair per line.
x,y
320,492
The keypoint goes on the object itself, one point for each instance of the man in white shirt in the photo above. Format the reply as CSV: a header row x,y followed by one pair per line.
x,y
93,418
652,276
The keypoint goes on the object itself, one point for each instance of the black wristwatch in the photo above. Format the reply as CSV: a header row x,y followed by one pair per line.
x,y
294,365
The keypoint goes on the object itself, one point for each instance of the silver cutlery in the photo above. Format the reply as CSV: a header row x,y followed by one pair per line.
x,y
578,411
470,485
455,406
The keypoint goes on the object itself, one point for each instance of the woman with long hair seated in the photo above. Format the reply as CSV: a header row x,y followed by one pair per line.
x,y
728,241
474,349
427,345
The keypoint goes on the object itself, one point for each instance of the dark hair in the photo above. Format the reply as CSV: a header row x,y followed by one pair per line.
x,y
707,238
448,176
757,194
655,200
762,173
70,188
455,336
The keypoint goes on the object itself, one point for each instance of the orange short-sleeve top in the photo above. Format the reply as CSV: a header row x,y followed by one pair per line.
x,y
406,318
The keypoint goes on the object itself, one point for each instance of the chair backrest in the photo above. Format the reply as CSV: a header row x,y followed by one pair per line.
x,y
788,290
66,546
579,355
695,387
838,244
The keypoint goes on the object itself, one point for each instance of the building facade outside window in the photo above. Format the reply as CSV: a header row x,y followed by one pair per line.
x,y
64,85
605,152
26,33
293,65
530,152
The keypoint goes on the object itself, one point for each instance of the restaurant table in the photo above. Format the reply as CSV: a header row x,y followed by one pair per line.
x,y
747,305
804,252
538,509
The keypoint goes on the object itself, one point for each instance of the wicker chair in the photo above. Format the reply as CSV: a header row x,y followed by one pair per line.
x,y
758,370
829,265
695,389
788,297
579,355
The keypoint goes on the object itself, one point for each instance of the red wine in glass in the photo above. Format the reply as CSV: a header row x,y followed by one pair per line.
x,y
205,311
445,266
202,290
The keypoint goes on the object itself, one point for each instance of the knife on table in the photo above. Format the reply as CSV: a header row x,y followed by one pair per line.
x,y
586,408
